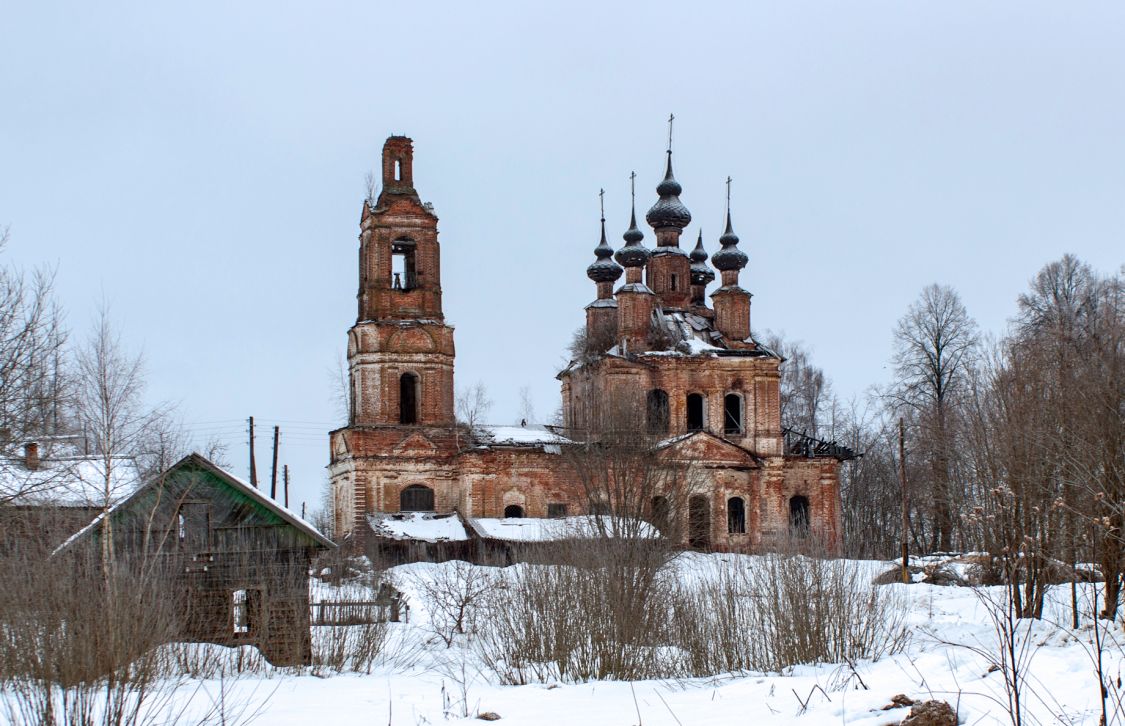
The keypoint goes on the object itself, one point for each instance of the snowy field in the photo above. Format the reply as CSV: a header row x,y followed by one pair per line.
x,y
952,641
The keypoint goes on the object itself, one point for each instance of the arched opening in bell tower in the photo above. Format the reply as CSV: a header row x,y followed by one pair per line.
x,y
408,398
403,268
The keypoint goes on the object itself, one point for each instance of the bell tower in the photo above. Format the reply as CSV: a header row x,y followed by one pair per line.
x,y
400,351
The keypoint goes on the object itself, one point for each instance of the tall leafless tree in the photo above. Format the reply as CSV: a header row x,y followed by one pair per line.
x,y
935,346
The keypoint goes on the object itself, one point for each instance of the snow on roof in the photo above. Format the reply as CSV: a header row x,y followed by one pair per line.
x,y
75,481
519,436
549,530
423,526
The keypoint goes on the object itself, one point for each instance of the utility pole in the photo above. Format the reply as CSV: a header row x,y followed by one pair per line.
x,y
905,507
273,469
253,466
286,470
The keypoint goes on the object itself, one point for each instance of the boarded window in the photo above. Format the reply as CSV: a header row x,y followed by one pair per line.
x,y
732,413
799,516
513,511
657,412
694,412
556,510
403,265
408,399
736,515
660,513
699,522
416,498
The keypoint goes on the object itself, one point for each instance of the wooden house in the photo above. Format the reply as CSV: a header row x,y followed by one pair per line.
x,y
235,561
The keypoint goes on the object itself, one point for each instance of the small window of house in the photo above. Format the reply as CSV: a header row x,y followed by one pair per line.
x,y
694,412
599,508
674,281
736,515
732,413
193,526
403,269
240,612
556,510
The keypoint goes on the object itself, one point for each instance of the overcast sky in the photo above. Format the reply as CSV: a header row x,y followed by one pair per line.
x,y
202,165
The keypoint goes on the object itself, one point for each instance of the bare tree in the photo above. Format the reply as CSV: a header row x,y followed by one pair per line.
x,y
806,393
473,405
935,345
108,404
33,378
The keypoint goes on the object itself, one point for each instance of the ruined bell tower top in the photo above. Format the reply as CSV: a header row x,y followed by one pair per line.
x,y
400,259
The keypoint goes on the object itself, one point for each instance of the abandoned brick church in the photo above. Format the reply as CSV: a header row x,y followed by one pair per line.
x,y
703,381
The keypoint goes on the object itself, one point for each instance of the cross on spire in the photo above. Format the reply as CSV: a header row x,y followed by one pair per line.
x,y
601,201
728,195
671,118
633,186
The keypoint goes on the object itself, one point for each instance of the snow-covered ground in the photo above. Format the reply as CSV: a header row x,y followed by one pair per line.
x,y
423,682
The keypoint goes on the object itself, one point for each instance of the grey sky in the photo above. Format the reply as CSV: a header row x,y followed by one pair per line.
x,y
203,165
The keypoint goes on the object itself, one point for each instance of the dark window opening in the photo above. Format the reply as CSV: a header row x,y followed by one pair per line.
x,y
513,511
694,412
403,269
245,610
657,412
660,513
193,526
799,516
699,522
556,510
599,508
408,399
416,498
732,414
736,515
673,283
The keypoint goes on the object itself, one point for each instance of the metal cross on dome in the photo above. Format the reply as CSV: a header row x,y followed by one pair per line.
x,y
671,118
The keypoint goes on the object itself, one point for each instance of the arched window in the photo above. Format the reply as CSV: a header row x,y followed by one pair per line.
x,y
694,412
732,413
659,513
398,169
403,267
513,511
736,515
799,516
699,522
416,498
657,412
408,398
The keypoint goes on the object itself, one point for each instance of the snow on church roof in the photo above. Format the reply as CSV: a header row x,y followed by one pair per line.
x,y
519,436
422,526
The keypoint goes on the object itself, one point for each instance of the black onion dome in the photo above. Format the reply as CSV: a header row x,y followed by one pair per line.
x,y
633,254
729,257
604,268
701,274
668,211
